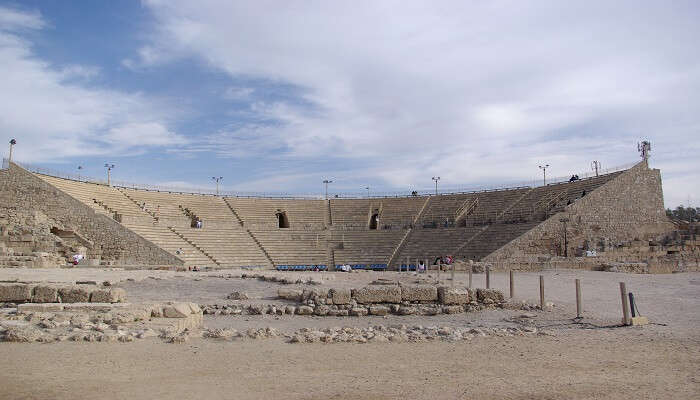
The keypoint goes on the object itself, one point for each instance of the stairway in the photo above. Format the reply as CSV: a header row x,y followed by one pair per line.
x,y
498,218
194,245
404,240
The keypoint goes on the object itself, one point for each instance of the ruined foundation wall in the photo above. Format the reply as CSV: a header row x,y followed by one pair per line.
x,y
628,207
111,241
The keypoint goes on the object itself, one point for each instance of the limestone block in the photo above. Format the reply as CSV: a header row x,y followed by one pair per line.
x,y
358,311
452,309
42,307
74,294
377,294
419,293
378,310
45,294
495,296
177,310
453,295
304,310
404,310
322,310
15,292
313,292
113,295
289,294
340,296
237,296
194,307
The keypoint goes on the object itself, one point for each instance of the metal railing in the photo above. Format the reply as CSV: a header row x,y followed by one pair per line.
x,y
338,195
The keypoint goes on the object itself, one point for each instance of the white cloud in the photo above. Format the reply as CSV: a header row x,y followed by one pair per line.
x,y
13,19
142,134
53,114
471,91
238,93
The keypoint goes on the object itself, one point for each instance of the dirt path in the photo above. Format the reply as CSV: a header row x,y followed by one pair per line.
x,y
583,364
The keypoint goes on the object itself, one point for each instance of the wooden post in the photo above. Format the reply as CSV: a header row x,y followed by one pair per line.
x,y
470,276
512,284
488,277
579,310
625,304
541,292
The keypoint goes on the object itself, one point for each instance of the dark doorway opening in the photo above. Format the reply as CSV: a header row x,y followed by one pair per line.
x,y
282,220
374,221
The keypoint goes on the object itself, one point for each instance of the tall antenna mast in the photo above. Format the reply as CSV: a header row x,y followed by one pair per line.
x,y
644,149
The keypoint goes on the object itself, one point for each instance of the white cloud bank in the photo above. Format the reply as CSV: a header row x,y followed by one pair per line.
x,y
467,90
54,114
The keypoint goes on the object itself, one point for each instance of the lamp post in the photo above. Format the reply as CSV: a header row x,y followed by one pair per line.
x,y
80,167
544,174
595,166
13,142
217,179
367,187
436,179
109,175
326,182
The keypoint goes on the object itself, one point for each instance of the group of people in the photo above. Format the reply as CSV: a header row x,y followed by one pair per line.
x,y
574,178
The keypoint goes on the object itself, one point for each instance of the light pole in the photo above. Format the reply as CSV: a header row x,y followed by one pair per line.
x,y
79,168
367,187
326,182
109,176
13,142
595,166
217,179
544,174
436,179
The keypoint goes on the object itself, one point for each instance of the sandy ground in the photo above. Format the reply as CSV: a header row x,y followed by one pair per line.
x,y
590,359
621,364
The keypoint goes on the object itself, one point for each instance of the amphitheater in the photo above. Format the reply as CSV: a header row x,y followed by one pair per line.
x,y
126,226
190,295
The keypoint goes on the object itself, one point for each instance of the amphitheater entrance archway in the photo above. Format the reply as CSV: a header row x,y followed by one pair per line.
x,y
282,220
374,221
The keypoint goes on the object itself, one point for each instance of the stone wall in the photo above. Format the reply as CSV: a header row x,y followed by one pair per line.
x,y
628,207
385,299
112,242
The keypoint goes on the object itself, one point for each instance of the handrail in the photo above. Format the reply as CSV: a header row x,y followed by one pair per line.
x,y
308,196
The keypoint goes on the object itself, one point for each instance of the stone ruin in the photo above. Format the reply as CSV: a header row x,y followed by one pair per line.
x,y
389,299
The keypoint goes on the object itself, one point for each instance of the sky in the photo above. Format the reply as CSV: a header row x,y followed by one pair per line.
x,y
276,96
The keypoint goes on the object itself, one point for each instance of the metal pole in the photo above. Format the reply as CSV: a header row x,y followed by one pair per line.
x,y
488,277
579,309
512,284
453,275
625,304
631,296
470,276
541,292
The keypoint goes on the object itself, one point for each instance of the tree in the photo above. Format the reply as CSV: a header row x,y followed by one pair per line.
x,y
690,214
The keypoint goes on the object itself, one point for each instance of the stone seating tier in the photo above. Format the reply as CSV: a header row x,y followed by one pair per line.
x,y
165,218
